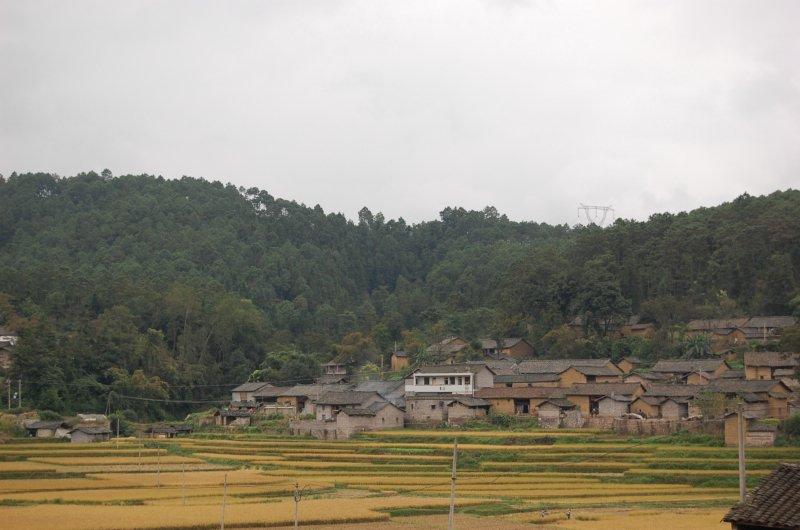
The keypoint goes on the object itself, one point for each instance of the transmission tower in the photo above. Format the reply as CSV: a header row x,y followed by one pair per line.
x,y
593,213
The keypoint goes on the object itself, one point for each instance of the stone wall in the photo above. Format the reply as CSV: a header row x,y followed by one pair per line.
x,y
661,427
323,430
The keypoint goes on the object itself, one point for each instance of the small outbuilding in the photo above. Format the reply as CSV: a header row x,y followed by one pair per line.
x,y
89,434
756,433
774,504
226,418
46,429
613,405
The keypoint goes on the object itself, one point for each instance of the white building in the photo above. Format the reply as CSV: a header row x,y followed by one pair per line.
x,y
455,379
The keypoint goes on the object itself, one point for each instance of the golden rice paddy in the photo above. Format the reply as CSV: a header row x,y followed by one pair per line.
x,y
180,484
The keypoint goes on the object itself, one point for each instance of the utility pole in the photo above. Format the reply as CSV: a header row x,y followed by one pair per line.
x,y
183,483
742,477
19,391
224,494
451,518
8,384
296,503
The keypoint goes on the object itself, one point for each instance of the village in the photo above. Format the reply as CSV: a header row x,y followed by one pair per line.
x,y
626,396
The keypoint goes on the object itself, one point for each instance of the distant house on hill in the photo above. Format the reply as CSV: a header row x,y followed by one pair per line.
x,y
724,332
446,351
399,361
774,504
572,371
765,329
512,347
628,364
246,391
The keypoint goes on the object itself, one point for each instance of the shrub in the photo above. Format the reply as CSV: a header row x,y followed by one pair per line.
x,y
504,421
49,415
791,426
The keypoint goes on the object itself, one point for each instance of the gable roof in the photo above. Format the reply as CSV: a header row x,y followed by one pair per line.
x,y
447,346
500,366
91,430
687,366
524,392
526,378
774,503
384,388
561,403
713,324
491,344
234,413
469,401
271,391
250,386
772,359
556,366
771,322
744,385
45,424
602,389
452,368
369,410
347,397
597,370
674,390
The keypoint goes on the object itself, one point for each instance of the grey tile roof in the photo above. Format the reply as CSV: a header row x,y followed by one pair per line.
x,y
91,430
271,391
452,368
602,389
525,392
348,397
525,378
250,387
556,366
775,503
384,388
469,401
731,386
490,344
45,425
771,322
772,359
687,366
675,390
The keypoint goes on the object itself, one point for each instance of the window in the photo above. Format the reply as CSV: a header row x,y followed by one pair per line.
x,y
509,385
433,407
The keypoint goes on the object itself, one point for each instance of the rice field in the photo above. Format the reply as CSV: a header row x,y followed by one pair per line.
x,y
505,480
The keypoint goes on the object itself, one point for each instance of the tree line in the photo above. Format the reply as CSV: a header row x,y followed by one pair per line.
x,y
172,289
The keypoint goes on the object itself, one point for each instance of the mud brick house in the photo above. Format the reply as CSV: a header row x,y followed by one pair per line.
x,y
399,361
462,379
515,348
517,400
756,433
613,406
586,396
572,371
246,391
771,365
774,504
526,380
376,415
679,370
763,330
628,364
329,404
447,350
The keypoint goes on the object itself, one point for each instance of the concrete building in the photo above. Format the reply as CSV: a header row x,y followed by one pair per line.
x,y
454,379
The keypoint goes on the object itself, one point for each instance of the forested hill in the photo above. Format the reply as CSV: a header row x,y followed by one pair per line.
x,y
155,286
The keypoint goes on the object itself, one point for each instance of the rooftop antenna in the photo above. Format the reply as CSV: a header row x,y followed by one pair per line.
x,y
593,212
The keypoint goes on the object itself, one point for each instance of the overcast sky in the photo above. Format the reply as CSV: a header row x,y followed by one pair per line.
x,y
409,106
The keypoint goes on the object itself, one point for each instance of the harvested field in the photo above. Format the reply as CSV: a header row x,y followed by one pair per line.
x,y
380,478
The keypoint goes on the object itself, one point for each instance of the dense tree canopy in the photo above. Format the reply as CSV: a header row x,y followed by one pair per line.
x,y
176,288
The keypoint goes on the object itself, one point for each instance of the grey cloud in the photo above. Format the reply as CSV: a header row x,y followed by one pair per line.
x,y
408,107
